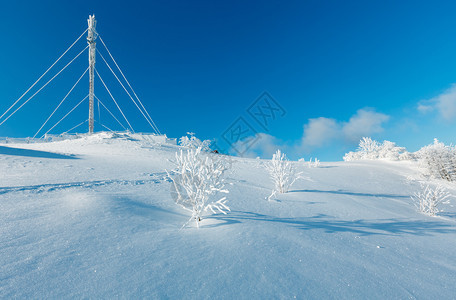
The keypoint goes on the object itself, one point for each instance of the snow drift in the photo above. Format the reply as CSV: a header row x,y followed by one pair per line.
x,y
94,218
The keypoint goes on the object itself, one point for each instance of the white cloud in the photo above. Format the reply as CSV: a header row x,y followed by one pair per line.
x,y
423,108
319,131
264,146
363,123
444,103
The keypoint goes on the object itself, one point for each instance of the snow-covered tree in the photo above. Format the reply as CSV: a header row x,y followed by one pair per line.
x,y
310,164
428,199
191,141
390,151
368,145
314,164
371,149
438,160
197,178
282,172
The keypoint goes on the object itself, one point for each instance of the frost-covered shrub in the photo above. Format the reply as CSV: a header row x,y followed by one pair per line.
x,y
191,141
407,156
282,172
310,164
197,178
314,164
368,145
438,160
390,151
428,199
371,149
351,156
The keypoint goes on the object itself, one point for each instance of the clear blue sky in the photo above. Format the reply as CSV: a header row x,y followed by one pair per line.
x,y
362,67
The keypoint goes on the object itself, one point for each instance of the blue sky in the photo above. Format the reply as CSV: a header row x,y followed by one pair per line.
x,y
339,69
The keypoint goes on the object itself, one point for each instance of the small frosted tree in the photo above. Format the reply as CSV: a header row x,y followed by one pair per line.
x,y
310,164
368,145
282,172
191,141
371,149
391,151
314,164
197,178
428,199
438,160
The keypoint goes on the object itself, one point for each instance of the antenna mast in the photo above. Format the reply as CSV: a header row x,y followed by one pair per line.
x,y
91,37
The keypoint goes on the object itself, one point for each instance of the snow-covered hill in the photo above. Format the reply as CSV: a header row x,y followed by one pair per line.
x,y
94,218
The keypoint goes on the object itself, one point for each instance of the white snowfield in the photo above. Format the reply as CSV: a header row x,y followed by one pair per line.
x,y
94,218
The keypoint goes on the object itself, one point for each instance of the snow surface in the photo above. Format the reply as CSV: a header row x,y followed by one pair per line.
x,y
94,218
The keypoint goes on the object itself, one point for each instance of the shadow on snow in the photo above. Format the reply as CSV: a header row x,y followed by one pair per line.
x,y
331,225
49,187
139,208
342,192
33,153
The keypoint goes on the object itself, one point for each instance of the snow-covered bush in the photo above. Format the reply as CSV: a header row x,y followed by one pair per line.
x,y
351,156
368,145
310,164
407,156
282,172
197,178
191,141
390,151
429,198
371,149
438,160
314,164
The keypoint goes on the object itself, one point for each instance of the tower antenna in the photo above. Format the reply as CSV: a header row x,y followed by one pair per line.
x,y
91,37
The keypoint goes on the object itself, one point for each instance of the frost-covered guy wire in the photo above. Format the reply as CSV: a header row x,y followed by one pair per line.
x,y
428,199
43,74
199,176
282,172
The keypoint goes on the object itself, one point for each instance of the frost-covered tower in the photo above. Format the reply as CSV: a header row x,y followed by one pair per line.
x,y
91,37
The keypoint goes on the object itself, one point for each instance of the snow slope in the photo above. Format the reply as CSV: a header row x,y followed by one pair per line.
x,y
94,218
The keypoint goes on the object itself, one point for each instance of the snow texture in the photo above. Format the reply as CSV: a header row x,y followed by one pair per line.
x,y
94,218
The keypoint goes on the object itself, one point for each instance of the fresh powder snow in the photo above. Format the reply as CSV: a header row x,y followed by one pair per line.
x,y
94,217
